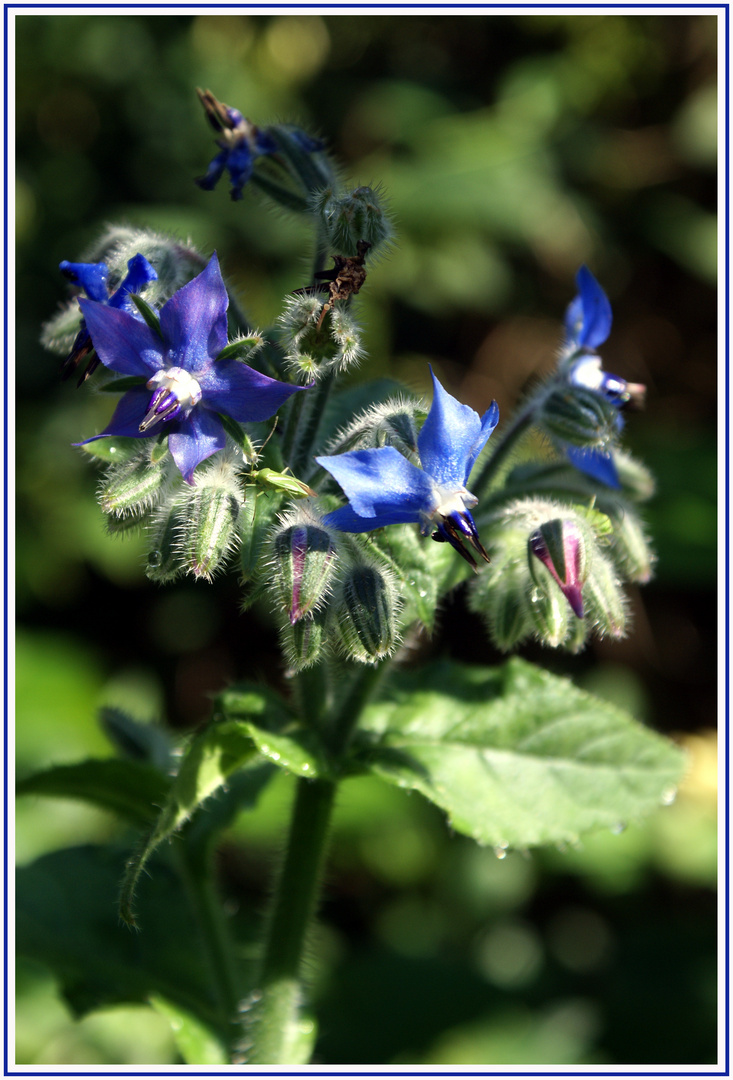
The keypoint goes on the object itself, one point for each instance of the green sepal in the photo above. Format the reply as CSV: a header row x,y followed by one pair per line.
x,y
150,316
114,448
515,756
240,349
119,386
233,429
255,521
287,198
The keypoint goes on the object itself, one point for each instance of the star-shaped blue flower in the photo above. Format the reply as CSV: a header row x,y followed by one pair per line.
x,y
190,386
92,278
384,488
587,324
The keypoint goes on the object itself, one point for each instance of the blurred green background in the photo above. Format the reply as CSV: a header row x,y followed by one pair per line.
x,y
512,148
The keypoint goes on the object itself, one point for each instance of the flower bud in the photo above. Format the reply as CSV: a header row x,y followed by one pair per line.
x,y
579,417
630,548
133,487
359,215
365,614
604,599
164,557
213,509
395,422
559,547
303,641
303,562
500,593
314,348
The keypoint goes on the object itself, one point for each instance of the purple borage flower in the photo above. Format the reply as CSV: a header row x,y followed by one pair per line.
x,y
587,324
384,488
241,143
92,278
190,386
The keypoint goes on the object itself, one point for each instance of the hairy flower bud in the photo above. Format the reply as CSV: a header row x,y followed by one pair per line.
x,y
314,348
303,641
164,557
630,547
558,548
303,562
579,417
395,422
132,488
359,215
212,509
606,607
364,614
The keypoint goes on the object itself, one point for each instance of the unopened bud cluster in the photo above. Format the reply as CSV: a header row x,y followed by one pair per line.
x,y
331,595
354,217
556,575
315,346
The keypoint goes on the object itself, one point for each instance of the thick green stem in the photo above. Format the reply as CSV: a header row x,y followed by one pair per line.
x,y
345,717
308,425
276,1035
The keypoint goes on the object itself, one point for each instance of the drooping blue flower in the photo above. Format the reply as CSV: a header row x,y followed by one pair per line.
x,y
384,488
588,323
92,278
190,386
241,143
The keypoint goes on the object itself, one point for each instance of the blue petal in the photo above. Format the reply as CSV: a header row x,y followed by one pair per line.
x,y
194,321
139,273
596,463
588,317
345,519
240,166
452,437
381,483
128,415
214,171
92,277
194,439
123,342
233,388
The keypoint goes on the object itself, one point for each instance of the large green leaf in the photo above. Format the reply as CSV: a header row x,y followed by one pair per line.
x,y
66,919
130,788
514,755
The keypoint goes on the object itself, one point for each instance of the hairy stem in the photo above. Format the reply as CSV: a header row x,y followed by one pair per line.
x,y
276,1033
507,442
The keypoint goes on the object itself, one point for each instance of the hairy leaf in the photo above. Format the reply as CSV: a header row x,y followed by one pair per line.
x,y
514,755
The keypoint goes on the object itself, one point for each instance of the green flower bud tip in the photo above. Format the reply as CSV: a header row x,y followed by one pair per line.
x,y
134,487
361,215
560,546
304,561
395,422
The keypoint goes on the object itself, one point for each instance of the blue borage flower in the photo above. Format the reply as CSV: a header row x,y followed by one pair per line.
x,y
384,488
587,324
190,386
92,278
241,143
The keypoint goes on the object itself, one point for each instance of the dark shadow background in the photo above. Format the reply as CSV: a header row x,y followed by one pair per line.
x,y
513,149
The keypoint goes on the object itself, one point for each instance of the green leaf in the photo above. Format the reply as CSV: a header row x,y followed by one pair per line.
x,y
66,919
130,788
241,349
234,430
514,755
274,731
210,759
196,1043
